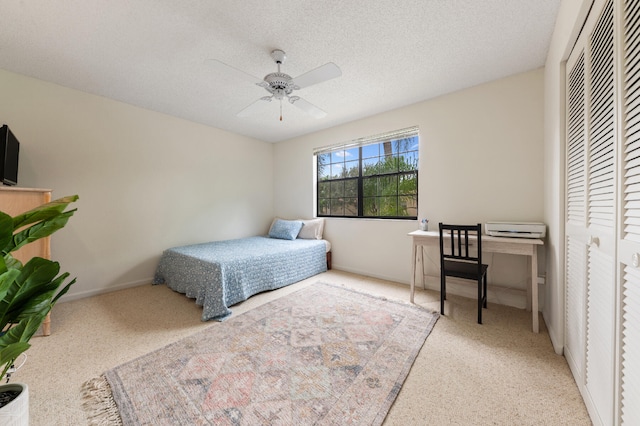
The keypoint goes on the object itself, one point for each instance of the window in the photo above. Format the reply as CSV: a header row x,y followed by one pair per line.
x,y
374,177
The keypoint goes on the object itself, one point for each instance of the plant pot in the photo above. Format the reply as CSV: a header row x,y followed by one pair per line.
x,y
15,413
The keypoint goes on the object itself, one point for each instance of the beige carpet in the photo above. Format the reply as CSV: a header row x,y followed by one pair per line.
x,y
499,373
324,355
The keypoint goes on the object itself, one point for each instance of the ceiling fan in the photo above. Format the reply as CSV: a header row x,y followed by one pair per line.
x,y
281,85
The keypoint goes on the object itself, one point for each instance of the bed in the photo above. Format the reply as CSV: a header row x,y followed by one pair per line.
x,y
222,273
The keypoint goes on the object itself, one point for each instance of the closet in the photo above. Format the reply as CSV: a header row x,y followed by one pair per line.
x,y
602,212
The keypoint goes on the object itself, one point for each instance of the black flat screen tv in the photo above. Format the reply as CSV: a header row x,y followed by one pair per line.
x,y
9,153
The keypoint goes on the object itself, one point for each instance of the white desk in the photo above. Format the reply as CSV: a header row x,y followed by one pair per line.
x,y
521,246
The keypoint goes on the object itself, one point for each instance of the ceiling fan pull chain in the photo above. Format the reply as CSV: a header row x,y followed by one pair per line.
x,y
280,109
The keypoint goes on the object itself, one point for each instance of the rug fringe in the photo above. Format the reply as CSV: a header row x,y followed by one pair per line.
x,y
98,403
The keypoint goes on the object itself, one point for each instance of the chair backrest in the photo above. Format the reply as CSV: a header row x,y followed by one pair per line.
x,y
459,243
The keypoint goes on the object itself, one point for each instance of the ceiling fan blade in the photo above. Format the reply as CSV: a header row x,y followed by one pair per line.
x,y
318,75
254,107
307,107
223,68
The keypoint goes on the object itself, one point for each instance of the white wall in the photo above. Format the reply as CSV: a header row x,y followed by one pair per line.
x,y
571,15
481,159
146,181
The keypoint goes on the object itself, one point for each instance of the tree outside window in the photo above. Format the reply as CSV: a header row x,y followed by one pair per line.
x,y
378,179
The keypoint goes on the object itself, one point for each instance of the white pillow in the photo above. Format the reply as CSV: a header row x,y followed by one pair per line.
x,y
312,229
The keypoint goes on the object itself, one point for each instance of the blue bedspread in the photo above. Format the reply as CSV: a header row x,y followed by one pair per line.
x,y
222,273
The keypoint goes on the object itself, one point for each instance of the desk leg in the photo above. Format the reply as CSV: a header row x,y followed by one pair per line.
x,y
530,277
534,288
413,273
420,254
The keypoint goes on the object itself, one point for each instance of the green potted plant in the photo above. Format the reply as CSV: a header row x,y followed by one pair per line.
x,y
27,293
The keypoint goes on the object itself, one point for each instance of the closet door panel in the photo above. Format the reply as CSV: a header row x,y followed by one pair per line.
x,y
629,245
600,369
630,347
576,217
575,300
601,208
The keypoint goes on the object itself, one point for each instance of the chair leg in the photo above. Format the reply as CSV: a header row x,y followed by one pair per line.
x,y
480,285
485,291
443,289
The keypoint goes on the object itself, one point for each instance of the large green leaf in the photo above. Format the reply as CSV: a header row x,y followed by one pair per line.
x,y
15,340
6,229
39,230
12,350
4,266
7,281
64,289
31,292
45,220
9,353
43,212
21,332
9,262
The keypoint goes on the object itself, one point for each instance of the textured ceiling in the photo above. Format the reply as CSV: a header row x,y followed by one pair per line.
x,y
392,53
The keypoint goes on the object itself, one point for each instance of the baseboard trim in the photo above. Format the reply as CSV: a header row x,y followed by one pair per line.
x,y
368,274
95,292
516,298
558,344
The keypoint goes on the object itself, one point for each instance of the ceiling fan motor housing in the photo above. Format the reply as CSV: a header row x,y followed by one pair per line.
x,y
279,84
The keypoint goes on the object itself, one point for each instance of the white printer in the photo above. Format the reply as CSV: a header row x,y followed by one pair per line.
x,y
516,229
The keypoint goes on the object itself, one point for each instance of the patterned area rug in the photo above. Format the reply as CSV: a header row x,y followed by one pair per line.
x,y
323,355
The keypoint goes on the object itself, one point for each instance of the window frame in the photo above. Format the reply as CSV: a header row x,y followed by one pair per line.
x,y
362,197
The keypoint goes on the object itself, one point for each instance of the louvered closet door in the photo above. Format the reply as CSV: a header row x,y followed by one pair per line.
x,y
629,246
601,218
590,228
575,227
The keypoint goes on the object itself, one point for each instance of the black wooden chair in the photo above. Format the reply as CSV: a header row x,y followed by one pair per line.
x,y
457,260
